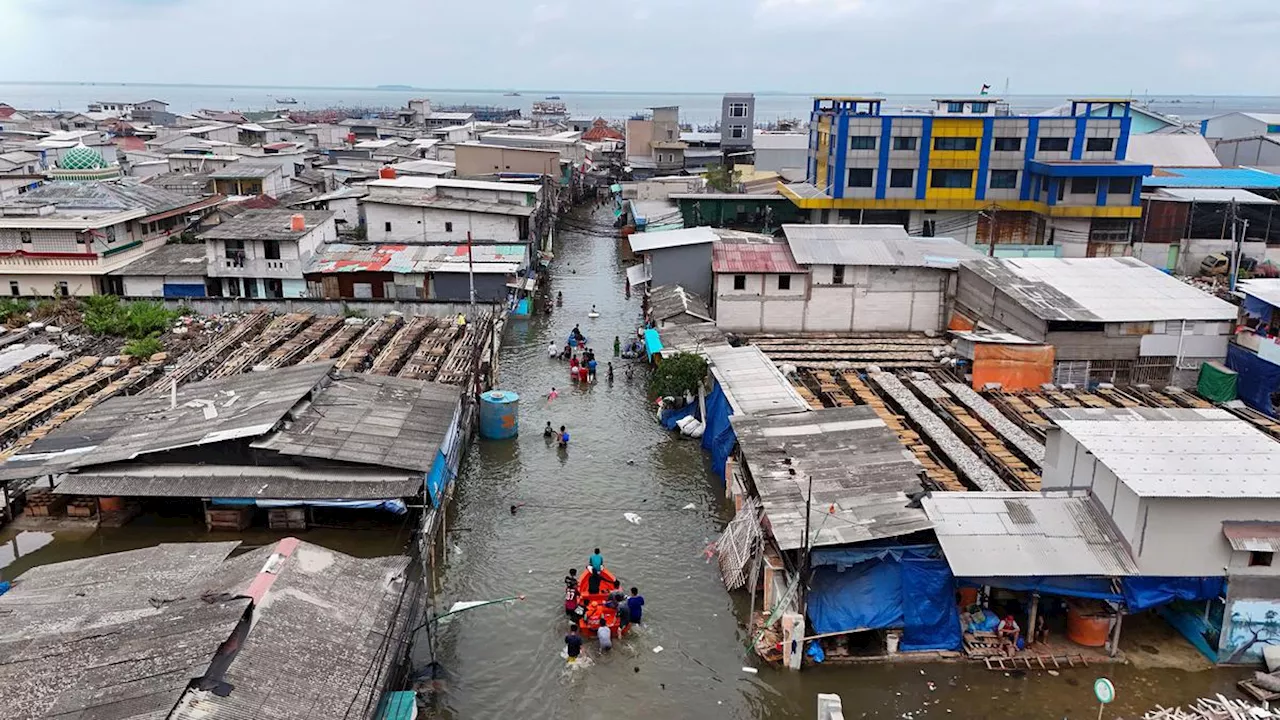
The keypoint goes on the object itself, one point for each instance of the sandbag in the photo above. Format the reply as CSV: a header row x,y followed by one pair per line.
x,y
1266,682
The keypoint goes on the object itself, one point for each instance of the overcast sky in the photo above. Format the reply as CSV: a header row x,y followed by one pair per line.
x,y
1228,47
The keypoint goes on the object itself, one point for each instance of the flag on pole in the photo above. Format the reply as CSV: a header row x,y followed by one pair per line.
x,y
985,89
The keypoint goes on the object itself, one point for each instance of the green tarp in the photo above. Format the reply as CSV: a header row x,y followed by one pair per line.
x,y
1217,382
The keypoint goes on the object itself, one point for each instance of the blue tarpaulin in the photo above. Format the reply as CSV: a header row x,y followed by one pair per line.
x,y
1084,587
873,588
1141,593
671,417
437,478
652,342
1256,380
395,505
718,437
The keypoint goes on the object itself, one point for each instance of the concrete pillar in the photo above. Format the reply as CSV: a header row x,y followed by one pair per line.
x,y
829,707
792,640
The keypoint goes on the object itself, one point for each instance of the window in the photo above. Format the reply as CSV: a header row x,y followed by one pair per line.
x,y
448,227
980,107
739,282
25,236
14,290
386,226
955,143
862,142
737,132
955,107
904,143
1120,186
837,274
902,178
1099,144
111,234
63,290
784,282
952,179
271,249
1052,144
738,110
1008,144
1084,186
1260,558
1004,179
861,177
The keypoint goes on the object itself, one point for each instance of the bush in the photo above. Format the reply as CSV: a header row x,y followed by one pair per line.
x,y
142,348
106,315
12,309
677,375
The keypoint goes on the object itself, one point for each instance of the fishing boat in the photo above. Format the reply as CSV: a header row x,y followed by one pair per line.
x,y
552,97
287,101
511,94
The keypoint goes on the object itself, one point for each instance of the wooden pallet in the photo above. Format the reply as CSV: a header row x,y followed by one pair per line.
x,y
336,344
279,331
990,444
26,373
432,350
290,350
361,353
1036,662
194,365
400,347
807,394
938,474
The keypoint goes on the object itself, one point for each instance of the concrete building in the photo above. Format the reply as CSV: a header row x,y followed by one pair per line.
x,y
421,272
676,257
486,159
1254,352
64,238
970,170
737,124
783,153
177,270
1232,126
261,253
1193,493
1183,226
1144,120
653,144
1113,320
448,211
242,178
419,114
836,278
1259,151
343,202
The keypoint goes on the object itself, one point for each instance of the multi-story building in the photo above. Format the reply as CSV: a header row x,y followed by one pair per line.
x,y
968,169
261,253
64,238
737,124
654,146
440,210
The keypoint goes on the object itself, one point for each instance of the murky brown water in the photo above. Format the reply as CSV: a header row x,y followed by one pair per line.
x,y
504,661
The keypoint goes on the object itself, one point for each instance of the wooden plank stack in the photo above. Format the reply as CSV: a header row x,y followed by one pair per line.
x,y
939,475
1215,708
287,518
234,519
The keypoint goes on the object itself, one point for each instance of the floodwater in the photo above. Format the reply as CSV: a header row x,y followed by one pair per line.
x,y
507,659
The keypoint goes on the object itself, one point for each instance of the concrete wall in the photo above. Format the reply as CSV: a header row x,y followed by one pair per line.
x,y
688,266
367,308
1249,618
29,285
144,286
639,137
474,159
1191,252
760,306
456,287
436,225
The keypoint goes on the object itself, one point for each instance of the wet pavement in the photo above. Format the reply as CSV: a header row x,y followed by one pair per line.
x,y
508,659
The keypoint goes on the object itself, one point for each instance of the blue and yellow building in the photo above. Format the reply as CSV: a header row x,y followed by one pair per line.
x,y
970,170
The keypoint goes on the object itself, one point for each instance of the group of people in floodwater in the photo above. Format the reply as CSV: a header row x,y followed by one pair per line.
x,y
606,612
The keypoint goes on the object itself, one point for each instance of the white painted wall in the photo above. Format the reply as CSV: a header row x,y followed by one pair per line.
x,y
144,286
409,221
1233,125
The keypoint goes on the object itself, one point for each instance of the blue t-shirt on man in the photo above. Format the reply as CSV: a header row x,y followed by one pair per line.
x,y
596,561
635,604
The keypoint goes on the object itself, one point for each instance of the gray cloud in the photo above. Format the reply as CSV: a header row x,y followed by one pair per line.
x,y
904,46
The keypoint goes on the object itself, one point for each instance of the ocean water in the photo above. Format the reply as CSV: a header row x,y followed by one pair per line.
x,y
695,108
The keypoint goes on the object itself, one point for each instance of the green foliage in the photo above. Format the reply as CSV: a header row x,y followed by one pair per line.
x,y
13,308
677,375
723,179
106,315
143,348
349,312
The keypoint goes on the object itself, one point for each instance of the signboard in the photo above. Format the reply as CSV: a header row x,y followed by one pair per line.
x,y
1105,691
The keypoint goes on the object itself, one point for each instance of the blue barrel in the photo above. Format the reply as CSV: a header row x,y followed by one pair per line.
x,y
499,415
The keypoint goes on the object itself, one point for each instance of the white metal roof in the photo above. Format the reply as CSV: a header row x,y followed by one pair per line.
x,y
883,245
1265,289
644,242
1026,534
1162,150
426,183
1098,290
1178,453
1212,195
752,383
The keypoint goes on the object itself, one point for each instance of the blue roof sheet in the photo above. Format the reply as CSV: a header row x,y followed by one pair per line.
x,y
1243,178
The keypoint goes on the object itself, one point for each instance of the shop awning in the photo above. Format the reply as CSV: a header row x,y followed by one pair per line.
x,y
1253,536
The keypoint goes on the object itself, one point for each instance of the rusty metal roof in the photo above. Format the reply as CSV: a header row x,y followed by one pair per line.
x,y
1027,534
735,257
410,259
1253,536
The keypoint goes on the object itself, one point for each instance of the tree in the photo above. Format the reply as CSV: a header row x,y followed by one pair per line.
x,y
676,375
723,178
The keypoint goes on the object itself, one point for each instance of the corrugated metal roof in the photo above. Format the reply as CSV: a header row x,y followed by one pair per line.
x,y
647,241
857,465
882,245
1265,289
1097,290
174,259
1161,150
1211,195
1026,534
285,482
669,301
1241,177
1253,536
1176,453
263,224
738,257
414,259
751,381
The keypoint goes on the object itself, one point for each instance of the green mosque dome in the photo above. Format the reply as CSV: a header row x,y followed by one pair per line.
x,y
82,157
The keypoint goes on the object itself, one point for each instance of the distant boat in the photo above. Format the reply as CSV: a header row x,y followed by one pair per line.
x,y
287,101
553,97
511,94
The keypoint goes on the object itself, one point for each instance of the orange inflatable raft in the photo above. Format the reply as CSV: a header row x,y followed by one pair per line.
x,y
596,612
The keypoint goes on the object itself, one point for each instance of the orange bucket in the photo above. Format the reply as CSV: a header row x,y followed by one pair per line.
x,y
1089,630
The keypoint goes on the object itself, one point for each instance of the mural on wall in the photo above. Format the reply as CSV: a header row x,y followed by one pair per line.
x,y
1254,624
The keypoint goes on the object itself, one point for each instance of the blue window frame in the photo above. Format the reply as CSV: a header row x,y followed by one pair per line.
x,y
955,107
966,144
980,107
953,179
1004,180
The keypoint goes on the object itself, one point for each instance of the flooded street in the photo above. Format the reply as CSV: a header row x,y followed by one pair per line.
x,y
507,659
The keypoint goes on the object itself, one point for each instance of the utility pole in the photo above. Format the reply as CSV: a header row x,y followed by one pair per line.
x,y
990,214
805,561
